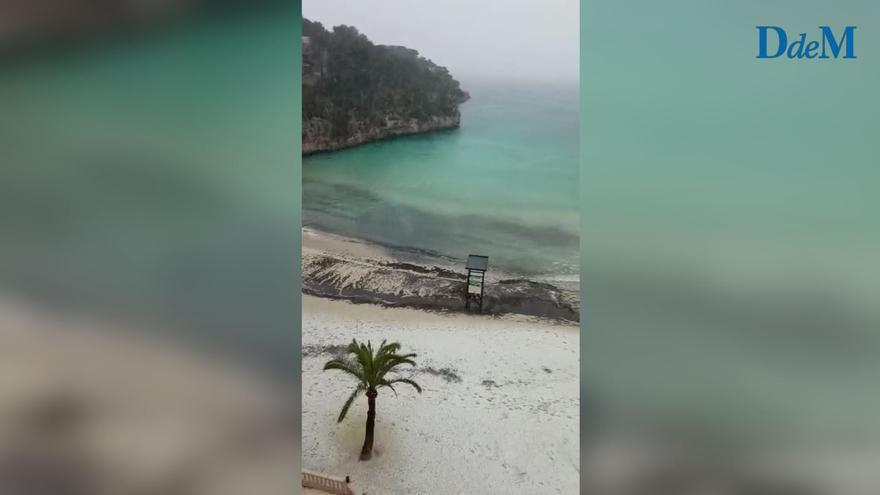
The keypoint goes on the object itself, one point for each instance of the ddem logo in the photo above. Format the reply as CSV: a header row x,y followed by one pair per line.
x,y
773,43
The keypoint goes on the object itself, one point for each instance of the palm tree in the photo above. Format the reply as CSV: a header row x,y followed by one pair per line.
x,y
370,369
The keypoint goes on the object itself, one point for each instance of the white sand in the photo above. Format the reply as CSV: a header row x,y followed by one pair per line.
x,y
317,242
509,426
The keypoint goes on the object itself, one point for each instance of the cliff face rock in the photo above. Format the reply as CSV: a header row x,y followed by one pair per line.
x,y
355,92
318,133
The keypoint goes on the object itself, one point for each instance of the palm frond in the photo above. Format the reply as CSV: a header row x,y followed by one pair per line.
x,y
368,350
408,382
384,352
364,357
369,366
345,366
386,383
392,361
388,348
351,398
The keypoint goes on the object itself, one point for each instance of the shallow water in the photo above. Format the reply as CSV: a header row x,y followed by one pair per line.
x,y
504,184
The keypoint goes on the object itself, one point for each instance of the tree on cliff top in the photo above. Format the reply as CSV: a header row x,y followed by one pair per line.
x,y
346,76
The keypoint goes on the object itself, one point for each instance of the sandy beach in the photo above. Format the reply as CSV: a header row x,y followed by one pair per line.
x,y
499,412
343,268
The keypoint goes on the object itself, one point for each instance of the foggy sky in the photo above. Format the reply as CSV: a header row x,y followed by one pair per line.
x,y
475,39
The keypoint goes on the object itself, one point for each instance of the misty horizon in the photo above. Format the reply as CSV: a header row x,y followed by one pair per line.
x,y
477,41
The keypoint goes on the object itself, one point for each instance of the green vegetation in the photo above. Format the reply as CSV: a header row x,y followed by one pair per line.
x,y
370,370
347,78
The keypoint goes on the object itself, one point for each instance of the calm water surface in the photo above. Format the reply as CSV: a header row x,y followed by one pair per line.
x,y
504,184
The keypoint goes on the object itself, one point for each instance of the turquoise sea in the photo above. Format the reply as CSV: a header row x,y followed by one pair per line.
x,y
504,184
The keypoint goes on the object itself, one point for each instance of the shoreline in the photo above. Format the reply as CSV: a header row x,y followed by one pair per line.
x,y
342,268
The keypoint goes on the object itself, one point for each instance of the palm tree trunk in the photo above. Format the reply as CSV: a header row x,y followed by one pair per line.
x,y
367,451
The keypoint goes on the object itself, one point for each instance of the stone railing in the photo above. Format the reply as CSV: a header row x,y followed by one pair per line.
x,y
327,484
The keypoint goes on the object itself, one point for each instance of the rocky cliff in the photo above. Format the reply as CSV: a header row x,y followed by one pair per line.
x,y
355,91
